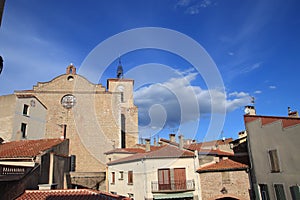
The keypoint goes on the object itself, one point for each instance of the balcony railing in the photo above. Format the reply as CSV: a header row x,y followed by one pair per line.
x,y
173,186
9,173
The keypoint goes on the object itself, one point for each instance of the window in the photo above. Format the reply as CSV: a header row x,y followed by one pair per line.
x,y
23,130
264,192
130,177
274,161
164,179
122,97
113,178
225,177
26,110
279,191
123,133
121,175
295,192
179,178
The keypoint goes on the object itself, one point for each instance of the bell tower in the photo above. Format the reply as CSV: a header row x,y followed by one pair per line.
x,y
123,88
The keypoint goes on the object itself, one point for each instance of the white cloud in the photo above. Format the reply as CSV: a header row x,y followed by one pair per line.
x,y
257,92
180,102
183,3
193,7
272,87
251,67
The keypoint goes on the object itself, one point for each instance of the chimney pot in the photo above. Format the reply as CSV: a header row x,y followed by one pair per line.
x,y
180,141
172,137
147,145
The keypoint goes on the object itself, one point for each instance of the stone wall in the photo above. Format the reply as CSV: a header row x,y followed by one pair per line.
x,y
225,184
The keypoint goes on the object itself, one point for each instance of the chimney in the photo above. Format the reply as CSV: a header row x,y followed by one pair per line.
x,y
180,137
154,142
160,143
292,113
172,137
250,110
147,145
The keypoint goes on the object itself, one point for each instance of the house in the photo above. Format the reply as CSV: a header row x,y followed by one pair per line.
x,y
167,172
68,194
240,148
225,179
273,147
30,164
22,117
208,151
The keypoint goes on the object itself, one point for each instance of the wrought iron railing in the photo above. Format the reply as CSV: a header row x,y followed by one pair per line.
x,y
173,186
12,170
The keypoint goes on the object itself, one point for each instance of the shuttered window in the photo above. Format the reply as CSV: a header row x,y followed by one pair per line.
x,y
130,177
274,161
279,191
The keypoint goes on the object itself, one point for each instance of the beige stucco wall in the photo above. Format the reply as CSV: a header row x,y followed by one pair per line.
x,y
11,117
7,110
145,171
263,138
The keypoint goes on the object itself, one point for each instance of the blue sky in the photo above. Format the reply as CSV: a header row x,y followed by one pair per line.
x,y
253,43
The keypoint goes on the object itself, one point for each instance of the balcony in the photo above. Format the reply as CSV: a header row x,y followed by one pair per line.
x,y
10,173
173,186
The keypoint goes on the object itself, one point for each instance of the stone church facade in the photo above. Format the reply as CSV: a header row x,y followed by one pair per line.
x,y
95,119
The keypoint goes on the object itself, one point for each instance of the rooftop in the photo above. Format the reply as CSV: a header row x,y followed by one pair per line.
x,y
26,148
223,165
167,151
286,121
68,194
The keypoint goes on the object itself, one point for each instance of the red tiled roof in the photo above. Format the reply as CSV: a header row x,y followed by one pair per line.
x,y
205,147
217,152
223,165
26,148
201,145
59,194
167,151
126,150
68,194
286,121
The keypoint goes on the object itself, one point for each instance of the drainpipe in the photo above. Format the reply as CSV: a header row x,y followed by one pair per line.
x,y
51,166
106,178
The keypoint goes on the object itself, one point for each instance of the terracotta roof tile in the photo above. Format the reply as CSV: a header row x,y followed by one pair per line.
x,y
26,148
167,151
223,165
286,121
216,152
68,194
126,150
201,145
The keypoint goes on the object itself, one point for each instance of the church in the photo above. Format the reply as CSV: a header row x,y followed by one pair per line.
x,y
94,118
